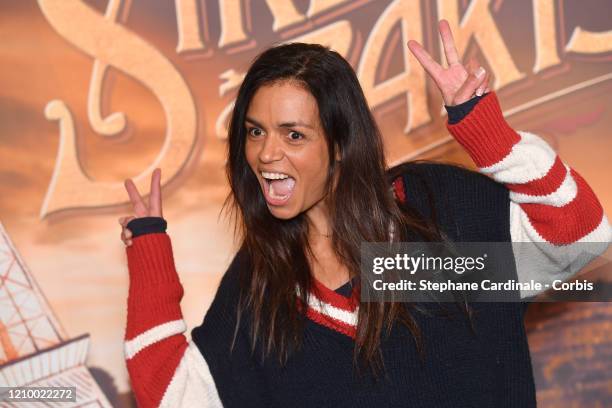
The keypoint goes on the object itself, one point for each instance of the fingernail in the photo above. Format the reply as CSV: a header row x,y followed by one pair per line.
x,y
479,92
480,72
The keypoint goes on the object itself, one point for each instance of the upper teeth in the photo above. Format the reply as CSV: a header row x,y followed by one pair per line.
x,y
275,176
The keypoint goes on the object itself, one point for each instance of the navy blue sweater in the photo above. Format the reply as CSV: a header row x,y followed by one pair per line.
x,y
487,367
528,195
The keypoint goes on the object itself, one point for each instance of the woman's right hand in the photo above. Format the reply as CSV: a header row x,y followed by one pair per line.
x,y
154,209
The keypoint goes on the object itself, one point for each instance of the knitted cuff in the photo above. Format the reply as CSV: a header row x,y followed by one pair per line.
x,y
147,225
458,112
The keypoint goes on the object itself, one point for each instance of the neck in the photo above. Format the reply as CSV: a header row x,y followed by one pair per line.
x,y
319,225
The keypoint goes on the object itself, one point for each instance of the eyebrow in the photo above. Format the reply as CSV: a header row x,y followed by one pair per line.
x,y
283,125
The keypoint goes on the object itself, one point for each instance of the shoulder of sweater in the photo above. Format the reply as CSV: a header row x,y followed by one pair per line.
x,y
237,269
443,178
221,314
468,205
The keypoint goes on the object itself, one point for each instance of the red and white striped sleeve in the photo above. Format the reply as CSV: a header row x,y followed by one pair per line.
x,y
551,205
164,368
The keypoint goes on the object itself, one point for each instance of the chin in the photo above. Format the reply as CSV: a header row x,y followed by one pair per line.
x,y
282,213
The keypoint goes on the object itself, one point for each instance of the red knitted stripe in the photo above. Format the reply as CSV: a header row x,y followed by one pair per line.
x,y
150,261
545,185
152,307
578,217
155,290
151,370
328,321
398,188
329,296
484,132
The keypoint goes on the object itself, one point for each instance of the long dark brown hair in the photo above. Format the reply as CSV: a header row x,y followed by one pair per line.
x,y
362,206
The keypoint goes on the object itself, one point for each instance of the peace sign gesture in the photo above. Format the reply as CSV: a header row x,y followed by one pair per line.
x,y
154,209
457,83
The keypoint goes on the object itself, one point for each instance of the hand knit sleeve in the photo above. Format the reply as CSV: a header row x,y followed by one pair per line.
x,y
164,368
551,205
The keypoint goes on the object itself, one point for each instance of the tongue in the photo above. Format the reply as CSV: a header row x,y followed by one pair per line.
x,y
282,187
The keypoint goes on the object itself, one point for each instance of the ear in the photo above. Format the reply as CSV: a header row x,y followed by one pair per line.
x,y
338,154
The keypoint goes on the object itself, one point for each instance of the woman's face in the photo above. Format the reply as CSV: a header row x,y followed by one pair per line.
x,y
286,148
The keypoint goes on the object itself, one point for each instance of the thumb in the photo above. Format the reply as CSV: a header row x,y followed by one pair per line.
x,y
124,221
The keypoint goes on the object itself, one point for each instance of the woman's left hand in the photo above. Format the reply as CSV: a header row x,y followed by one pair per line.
x,y
458,83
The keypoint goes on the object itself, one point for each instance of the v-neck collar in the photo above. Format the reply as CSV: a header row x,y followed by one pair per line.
x,y
333,296
333,310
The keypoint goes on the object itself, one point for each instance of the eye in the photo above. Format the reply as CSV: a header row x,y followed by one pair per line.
x,y
253,131
293,135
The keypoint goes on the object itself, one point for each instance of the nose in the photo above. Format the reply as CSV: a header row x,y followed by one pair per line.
x,y
272,149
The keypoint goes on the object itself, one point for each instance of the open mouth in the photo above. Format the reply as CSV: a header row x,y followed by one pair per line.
x,y
278,187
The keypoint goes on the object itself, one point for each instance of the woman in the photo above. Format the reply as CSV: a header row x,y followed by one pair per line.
x,y
309,184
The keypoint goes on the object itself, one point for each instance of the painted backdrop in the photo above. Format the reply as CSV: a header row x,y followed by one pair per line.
x,y
96,91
